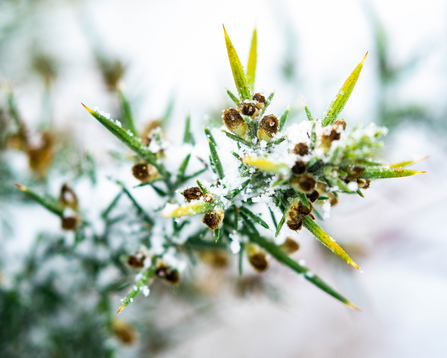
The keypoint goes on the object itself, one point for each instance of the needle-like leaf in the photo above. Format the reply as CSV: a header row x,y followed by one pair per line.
x,y
283,118
383,173
232,194
188,210
138,288
127,137
50,204
187,136
342,97
238,72
252,58
126,113
216,160
266,165
254,217
407,163
326,240
282,257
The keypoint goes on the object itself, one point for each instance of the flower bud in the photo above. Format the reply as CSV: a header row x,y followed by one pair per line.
x,y
299,167
303,210
329,136
294,221
260,99
194,193
301,149
213,219
234,122
68,197
313,196
363,183
41,156
289,246
124,332
257,258
248,110
144,172
268,127
167,273
70,220
355,172
304,182
215,258
136,260
340,122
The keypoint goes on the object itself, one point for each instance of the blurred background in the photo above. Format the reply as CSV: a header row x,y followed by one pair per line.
x,y
170,58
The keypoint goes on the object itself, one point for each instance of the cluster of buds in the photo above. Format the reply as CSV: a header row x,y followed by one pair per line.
x,y
249,118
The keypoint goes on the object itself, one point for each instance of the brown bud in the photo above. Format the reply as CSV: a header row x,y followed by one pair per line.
x,y
259,98
258,261
268,127
301,149
144,172
148,129
124,332
313,196
303,210
70,221
295,221
299,167
68,197
213,219
312,216
305,182
340,122
136,260
289,246
363,183
332,199
41,156
172,276
321,187
355,172
234,122
194,193
329,137
248,110
215,258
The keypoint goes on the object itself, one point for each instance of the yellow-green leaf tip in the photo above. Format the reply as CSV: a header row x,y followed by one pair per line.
x,y
88,109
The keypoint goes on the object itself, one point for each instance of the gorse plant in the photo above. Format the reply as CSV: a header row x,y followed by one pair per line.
x,y
257,163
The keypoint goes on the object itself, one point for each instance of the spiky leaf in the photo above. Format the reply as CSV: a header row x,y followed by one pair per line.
x,y
236,68
326,240
252,58
343,95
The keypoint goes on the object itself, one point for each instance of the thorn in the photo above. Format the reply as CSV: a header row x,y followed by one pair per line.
x,y
88,109
353,306
364,58
21,187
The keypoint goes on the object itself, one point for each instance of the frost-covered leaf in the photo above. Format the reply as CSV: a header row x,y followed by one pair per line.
x,y
48,203
342,96
232,194
127,137
252,58
266,165
327,240
196,208
254,217
282,257
237,69
139,287
385,172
